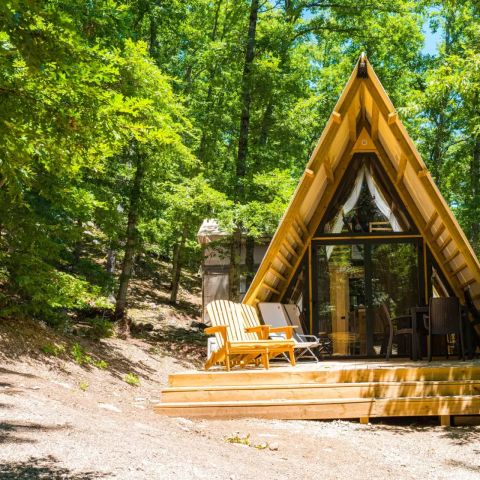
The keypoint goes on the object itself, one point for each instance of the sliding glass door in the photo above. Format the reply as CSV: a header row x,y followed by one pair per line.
x,y
353,282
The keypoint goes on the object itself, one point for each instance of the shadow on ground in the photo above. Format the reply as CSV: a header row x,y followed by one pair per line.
x,y
6,371
18,432
43,468
187,345
463,435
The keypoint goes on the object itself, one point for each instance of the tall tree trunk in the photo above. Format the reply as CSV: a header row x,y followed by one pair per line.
x,y
211,77
177,265
131,245
246,100
241,162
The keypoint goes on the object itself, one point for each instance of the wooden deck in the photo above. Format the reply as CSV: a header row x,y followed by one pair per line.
x,y
327,390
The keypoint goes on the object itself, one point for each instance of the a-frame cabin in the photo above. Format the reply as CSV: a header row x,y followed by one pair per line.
x,y
366,225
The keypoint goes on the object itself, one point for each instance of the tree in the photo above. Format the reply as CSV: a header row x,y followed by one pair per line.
x,y
151,122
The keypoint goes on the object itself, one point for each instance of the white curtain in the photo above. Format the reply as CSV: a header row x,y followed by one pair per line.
x,y
350,203
352,200
348,207
380,202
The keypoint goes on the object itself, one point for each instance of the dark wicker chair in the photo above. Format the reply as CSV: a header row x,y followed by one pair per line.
x,y
444,318
471,337
394,326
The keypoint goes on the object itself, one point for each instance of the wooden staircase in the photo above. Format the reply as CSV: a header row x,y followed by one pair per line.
x,y
324,394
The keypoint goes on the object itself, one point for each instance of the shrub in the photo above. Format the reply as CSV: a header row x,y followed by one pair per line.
x,y
79,355
131,379
101,364
53,349
101,328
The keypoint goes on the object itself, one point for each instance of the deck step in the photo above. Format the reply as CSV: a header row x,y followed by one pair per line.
x,y
286,376
326,408
321,391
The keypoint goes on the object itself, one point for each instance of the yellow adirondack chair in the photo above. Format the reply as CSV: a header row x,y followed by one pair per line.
x,y
241,338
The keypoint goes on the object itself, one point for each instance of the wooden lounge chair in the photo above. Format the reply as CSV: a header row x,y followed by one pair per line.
x,y
275,314
241,338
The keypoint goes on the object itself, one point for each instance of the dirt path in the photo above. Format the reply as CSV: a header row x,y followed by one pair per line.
x,y
50,428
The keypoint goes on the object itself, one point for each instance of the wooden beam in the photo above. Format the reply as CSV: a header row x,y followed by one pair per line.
x,y
392,118
445,420
337,117
269,287
374,122
466,284
329,134
401,168
361,96
463,266
448,259
296,236
327,165
302,226
445,244
422,173
431,221
275,272
284,260
438,233
286,244
352,124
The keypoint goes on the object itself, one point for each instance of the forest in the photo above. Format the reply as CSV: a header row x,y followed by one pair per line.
x,y
125,123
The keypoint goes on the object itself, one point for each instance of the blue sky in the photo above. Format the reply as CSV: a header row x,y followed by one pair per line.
x,y
431,40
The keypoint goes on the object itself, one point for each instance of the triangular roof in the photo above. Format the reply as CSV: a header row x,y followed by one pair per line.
x,y
364,120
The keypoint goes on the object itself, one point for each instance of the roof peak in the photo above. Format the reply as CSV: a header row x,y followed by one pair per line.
x,y
362,71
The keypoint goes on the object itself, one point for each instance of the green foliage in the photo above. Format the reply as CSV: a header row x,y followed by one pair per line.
x,y
83,358
83,386
53,349
79,355
101,328
100,364
132,379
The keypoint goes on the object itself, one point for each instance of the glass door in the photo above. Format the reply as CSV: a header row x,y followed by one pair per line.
x,y
339,297
352,283
395,287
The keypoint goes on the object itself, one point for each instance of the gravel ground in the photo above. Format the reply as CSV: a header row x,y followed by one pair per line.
x,y
61,420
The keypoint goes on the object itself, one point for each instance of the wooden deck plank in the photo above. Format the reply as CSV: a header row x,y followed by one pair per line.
x,y
288,375
326,409
322,391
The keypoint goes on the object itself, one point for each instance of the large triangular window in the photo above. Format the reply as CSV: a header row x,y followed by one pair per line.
x,y
366,203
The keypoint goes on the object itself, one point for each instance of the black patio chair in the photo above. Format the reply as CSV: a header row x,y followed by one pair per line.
x,y
397,326
444,318
471,336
